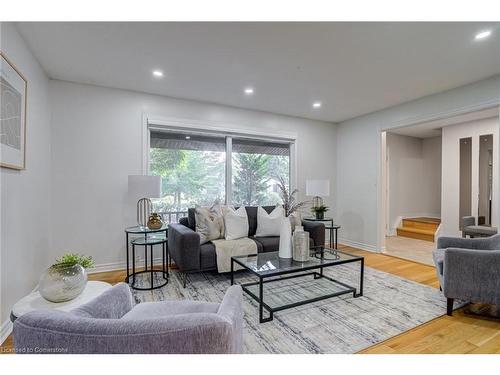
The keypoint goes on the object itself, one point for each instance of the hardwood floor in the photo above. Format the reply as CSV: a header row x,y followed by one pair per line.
x,y
410,248
461,333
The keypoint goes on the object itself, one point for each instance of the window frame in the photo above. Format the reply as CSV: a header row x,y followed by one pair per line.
x,y
216,129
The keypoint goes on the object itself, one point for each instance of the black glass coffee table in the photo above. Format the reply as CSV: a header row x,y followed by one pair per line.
x,y
270,268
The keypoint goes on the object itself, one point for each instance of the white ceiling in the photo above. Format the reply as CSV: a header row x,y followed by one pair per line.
x,y
352,68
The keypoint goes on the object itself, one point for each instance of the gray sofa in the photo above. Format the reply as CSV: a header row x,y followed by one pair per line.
x,y
184,243
469,269
111,323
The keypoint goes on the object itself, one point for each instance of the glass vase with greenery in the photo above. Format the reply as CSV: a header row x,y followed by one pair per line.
x,y
66,278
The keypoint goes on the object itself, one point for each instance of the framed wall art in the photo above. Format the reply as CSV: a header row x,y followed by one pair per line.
x,y
13,106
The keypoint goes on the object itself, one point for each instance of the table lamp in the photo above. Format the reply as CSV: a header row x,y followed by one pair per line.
x,y
317,189
142,188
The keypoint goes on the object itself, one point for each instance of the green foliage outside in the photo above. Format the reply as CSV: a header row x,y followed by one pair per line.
x,y
198,177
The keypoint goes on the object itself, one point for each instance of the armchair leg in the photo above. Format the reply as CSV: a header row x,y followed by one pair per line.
x,y
449,306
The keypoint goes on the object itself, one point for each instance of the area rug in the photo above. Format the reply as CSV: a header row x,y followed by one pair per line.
x,y
390,305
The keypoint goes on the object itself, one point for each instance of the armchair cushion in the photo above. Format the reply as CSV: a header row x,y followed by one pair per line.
x,y
111,304
154,310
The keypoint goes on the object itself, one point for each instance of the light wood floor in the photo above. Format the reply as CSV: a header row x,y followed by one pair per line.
x,y
460,333
410,248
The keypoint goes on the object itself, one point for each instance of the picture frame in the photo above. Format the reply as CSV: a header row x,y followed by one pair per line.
x,y
13,114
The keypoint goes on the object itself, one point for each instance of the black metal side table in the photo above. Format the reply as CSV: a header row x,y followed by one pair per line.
x,y
147,238
334,235
332,228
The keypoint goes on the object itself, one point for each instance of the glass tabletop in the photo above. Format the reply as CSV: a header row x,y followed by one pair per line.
x,y
149,240
268,264
145,230
312,218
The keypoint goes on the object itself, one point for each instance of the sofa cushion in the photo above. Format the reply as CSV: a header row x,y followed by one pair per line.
x,y
155,310
267,244
438,256
235,223
209,223
269,224
252,217
191,219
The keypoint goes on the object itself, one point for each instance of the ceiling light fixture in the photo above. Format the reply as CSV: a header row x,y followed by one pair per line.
x,y
158,73
188,137
316,104
249,91
483,35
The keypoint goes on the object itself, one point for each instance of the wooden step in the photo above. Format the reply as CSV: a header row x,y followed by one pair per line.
x,y
416,233
425,223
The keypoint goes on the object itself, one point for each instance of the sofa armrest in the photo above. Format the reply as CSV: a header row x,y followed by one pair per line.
x,y
316,231
488,243
111,304
184,247
472,275
231,308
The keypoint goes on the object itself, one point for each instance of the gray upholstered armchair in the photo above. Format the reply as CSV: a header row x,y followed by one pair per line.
x,y
469,269
112,324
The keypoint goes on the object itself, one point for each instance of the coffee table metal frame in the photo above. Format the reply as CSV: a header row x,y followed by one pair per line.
x,y
317,272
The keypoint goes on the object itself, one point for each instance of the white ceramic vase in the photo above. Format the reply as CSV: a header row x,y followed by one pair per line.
x,y
285,249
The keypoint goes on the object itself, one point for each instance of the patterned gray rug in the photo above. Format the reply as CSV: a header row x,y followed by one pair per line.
x,y
390,305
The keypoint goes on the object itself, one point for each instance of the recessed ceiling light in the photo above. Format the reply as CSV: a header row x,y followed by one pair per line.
x,y
483,34
158,73
249,91
316,104
188,137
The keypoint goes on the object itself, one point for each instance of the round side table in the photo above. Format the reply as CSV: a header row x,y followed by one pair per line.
x,y
34,301
147,238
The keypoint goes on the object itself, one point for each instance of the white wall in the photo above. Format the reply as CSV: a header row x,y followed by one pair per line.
x,y
25,195
96,144
451,171
414,173
358,208
431,176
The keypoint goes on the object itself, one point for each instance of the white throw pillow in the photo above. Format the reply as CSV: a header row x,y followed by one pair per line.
x,y
209,223
236,223
269,225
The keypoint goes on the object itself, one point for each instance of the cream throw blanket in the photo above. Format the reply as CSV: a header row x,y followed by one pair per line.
x,y
225,249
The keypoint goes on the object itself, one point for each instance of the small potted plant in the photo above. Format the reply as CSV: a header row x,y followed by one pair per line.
x,y
319,211
66,278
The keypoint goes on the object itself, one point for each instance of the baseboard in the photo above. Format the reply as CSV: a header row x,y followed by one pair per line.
x,y
117,266
358,245
5,330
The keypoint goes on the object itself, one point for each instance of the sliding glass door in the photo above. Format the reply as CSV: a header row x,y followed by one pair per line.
x,y
195,169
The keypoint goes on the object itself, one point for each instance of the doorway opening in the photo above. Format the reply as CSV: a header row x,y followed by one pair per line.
x,y
433,175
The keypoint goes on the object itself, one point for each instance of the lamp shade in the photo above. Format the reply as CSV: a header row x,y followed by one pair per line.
x,y
140,186
317,188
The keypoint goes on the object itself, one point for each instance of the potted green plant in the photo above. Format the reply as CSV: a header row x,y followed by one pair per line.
x,y
319,211
66,278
